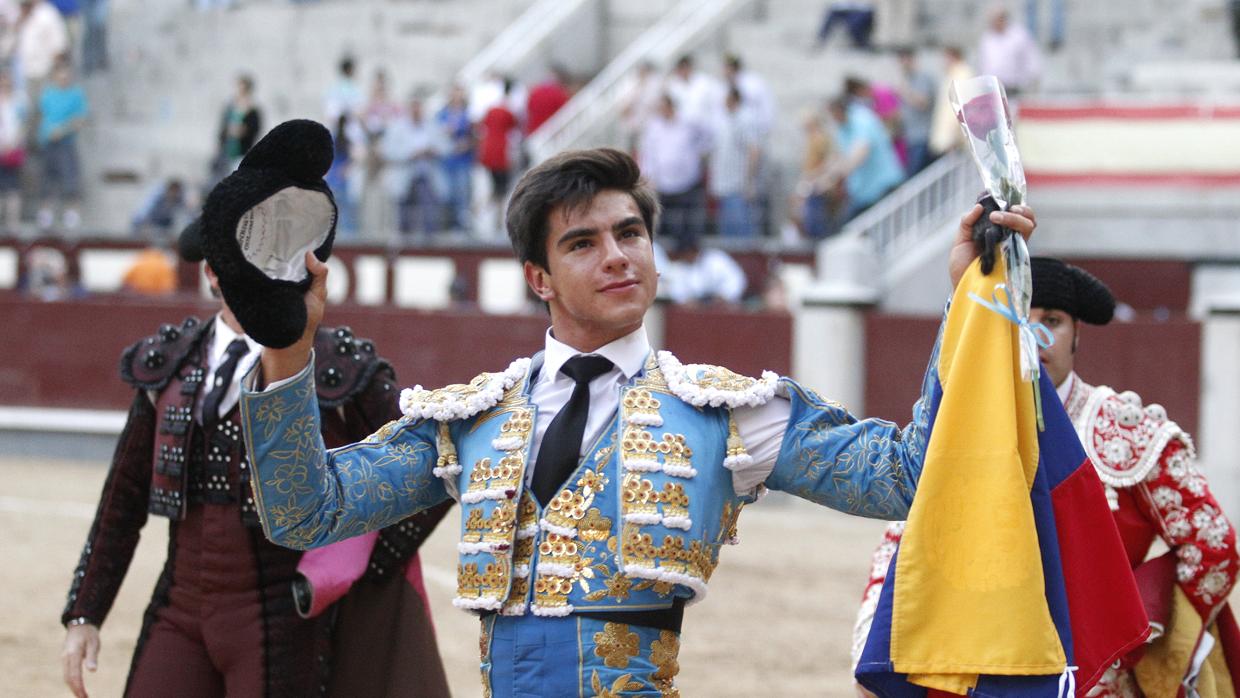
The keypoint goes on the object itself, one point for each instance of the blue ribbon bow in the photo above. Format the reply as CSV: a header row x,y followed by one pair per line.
x,y
1007,308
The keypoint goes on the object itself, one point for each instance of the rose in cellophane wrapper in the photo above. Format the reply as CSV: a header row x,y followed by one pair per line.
x,y
982,109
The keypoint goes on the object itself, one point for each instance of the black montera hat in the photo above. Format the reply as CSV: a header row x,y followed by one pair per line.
x,y
258,224
1058,285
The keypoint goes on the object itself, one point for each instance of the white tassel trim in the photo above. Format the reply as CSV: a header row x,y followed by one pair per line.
x,y
742,460
447,472
521,571
494,493
662,575
514,609
558,530
507,443
556,569
480,547
479,604
527,532
644,519
681,380
553,611
682,522
684,471
645,419
419,403
642,465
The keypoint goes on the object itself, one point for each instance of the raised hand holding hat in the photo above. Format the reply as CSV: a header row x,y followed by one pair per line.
x,y
259,223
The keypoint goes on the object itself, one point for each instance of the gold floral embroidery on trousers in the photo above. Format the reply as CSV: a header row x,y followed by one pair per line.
x,y
616,644
623,683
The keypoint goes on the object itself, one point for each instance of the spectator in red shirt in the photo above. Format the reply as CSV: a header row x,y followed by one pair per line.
x,y
494,146
546,98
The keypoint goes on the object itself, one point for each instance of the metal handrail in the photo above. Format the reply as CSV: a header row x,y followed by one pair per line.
x,y
685,27
525,38
917,208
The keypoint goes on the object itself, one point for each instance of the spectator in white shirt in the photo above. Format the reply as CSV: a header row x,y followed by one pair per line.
x,y
642,92
1008,52
42,37
755,92
704,276
345,97
735,168
671,153
697,96
411,148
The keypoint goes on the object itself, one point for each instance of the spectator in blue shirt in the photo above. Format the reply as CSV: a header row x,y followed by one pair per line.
x,y
165,211
869,158
62,106
458,162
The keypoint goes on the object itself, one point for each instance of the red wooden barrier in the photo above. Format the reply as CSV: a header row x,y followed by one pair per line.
x,y
1160,361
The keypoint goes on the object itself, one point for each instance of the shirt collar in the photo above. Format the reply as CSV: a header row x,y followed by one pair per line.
x,y
223,336
1065,388
628,354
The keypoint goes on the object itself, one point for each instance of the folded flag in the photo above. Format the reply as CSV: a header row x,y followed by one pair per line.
x,y
1011,578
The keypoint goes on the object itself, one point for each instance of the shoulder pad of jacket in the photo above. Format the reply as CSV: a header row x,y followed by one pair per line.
x,y
343,365
1124,438
463,400
151,362
703,385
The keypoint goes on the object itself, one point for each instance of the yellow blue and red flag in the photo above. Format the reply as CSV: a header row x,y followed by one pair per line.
x,y
1011,579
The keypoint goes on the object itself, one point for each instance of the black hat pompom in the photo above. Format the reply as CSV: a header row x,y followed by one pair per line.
x,y
301,149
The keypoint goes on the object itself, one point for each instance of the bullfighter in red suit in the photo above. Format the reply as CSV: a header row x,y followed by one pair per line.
x,y
1147,463
233,614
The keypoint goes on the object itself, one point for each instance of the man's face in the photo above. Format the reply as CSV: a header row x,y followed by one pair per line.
x,y
1060,357
600,277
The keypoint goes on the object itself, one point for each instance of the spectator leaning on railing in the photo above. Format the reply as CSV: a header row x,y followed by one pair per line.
x,y
869,159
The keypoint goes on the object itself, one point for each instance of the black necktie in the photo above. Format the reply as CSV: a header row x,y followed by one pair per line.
x,y
223,378
561,445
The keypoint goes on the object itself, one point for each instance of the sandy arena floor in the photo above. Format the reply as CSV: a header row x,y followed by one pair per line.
x,y
777,622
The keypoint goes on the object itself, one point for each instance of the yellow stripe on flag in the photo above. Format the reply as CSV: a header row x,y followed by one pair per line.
x,y
970,596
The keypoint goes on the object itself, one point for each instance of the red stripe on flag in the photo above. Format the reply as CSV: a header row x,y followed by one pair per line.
x,y
1103,601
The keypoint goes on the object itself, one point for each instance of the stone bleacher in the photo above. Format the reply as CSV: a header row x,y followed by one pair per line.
x,y
156,112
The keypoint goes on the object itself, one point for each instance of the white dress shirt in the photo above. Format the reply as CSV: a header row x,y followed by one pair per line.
x,y
221,336
761,428
1065,388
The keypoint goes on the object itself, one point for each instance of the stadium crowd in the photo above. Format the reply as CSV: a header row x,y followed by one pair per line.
x,y
430,162
416,165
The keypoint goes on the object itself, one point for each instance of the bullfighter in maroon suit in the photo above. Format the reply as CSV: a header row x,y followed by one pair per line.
x,y
228,614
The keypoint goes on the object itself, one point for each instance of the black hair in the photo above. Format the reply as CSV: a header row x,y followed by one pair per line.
x,y
572,179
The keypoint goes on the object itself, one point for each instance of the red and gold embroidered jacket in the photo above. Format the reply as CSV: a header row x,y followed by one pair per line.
x,y
1147,463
